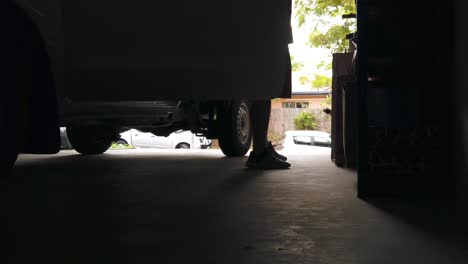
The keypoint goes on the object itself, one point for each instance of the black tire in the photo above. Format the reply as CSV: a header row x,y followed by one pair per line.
x,y
121,142
235,131
183,146
90,140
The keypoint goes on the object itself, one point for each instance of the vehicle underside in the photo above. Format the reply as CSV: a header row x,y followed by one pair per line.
x,y
93,125
69,67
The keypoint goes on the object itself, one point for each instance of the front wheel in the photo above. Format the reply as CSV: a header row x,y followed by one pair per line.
x,y
235,135
89,140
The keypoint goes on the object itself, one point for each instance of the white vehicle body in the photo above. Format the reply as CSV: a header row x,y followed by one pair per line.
x,y
178,139
158,66
306,140
163,49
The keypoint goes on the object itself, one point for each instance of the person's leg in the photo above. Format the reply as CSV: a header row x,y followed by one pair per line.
x,y
260,117
263,155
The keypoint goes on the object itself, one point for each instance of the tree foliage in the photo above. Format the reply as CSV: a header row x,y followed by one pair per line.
x,y
306,121
321,81
325,34
322,8
334,38
296,65
326,65
304,79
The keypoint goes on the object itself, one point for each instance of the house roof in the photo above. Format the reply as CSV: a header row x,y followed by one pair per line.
x,y
323,92
306,133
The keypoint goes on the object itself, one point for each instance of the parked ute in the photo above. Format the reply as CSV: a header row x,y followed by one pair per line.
x,y
95,66
177,140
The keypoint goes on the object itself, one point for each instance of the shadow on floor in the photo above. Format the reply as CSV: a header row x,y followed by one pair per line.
x,y
441,219
120,209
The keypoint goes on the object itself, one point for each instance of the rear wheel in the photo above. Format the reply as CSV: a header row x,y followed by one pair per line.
x,y
90,140
121,142
235,135
183,146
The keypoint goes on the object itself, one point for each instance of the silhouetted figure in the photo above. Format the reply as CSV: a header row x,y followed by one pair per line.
x,y
263,155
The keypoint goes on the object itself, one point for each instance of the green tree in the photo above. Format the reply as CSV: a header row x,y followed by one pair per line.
x,y
306,121
304,79
326,65
321,81
296,65
326,34
334,38
322,8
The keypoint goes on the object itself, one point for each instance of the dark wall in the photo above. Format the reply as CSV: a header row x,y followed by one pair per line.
x,y
461,97
406,70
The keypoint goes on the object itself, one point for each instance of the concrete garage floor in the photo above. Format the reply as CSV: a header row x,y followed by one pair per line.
x,y
153,206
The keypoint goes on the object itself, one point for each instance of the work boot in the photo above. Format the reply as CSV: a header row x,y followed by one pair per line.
x,y
276,154
265,161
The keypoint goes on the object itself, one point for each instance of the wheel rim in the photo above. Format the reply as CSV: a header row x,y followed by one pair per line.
x,y
243,124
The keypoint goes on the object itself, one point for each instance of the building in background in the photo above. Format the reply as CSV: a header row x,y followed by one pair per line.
x,y
301,100
284,110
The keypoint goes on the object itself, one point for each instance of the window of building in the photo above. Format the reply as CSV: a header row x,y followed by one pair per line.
x,y
296,105
289,105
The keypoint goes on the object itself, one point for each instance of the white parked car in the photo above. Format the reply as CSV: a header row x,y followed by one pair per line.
x,y
177,140
305,139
